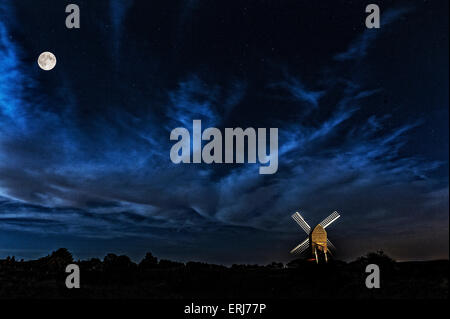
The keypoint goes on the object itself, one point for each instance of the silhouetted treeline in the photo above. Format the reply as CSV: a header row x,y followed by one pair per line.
x,y
120,277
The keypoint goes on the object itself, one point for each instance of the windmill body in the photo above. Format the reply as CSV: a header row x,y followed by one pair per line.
x,y
319,239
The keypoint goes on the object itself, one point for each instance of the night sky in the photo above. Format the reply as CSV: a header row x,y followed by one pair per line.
x,y
362,117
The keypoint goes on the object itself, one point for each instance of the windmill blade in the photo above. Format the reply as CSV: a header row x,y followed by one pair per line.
x,y
301,247
301,222
330,244
329,220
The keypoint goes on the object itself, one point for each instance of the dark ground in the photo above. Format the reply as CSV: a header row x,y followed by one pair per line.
x,y
119,277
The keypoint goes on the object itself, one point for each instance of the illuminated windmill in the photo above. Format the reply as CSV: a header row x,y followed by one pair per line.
x,y
317,238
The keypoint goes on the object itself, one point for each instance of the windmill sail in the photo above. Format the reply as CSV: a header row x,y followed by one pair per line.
x,y
330,244
329,220
301,222
301,248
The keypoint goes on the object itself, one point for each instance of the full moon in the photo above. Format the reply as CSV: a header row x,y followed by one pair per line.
x,y
47,61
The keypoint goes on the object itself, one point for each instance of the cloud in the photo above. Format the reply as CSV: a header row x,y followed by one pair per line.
x,y
11,80
299,92
118,11
327,160
359,48
195,99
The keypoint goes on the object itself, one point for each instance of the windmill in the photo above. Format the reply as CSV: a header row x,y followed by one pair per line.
x,y
317,238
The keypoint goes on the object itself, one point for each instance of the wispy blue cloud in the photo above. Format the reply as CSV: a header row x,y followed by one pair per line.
x,y
359,48
195,99
118,13
299,92
12,80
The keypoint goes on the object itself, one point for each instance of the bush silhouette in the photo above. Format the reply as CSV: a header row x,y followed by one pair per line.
x,y
163,263
148,262
58,260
